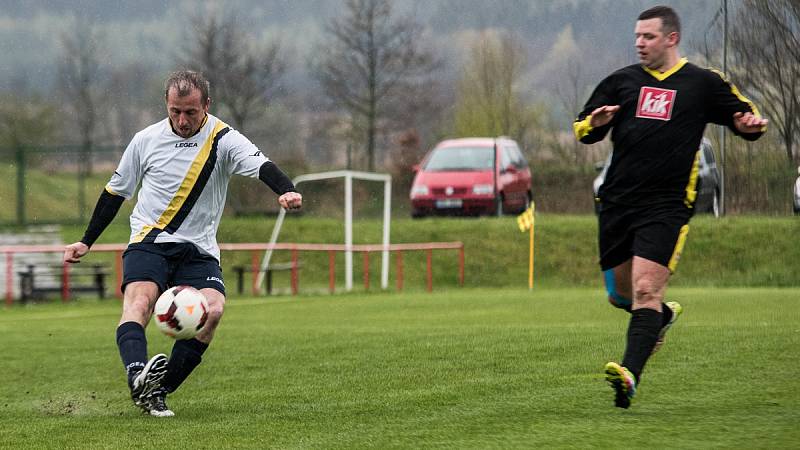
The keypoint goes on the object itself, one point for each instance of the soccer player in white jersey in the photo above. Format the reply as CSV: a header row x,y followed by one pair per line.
x,y
183,163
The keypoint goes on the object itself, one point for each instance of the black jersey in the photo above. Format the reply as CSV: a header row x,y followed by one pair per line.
x,y
657,131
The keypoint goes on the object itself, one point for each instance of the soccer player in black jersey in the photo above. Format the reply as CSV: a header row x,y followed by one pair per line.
x,y
656,111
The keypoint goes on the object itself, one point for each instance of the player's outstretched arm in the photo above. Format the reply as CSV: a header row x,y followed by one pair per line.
x,y
104,212
274,177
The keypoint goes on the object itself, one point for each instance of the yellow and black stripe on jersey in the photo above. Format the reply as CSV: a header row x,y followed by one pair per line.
x,y
190,189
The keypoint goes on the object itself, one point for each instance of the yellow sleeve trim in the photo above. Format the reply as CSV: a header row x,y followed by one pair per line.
x,y
691,187
741,97
582,127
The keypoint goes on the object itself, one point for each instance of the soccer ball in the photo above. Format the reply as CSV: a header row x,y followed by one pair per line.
x,y
181,312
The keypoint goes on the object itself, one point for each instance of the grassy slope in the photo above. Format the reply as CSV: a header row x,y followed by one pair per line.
x,y
49,197
460,369
734,251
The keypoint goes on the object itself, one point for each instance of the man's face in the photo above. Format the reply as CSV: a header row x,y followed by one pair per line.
x,y
186,113
652,44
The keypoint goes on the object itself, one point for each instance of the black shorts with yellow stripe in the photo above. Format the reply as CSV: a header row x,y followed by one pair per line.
x,y
656,233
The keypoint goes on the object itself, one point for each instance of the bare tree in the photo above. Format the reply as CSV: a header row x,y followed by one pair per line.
x,y
244,75
369,60
765,44
79,79
488,101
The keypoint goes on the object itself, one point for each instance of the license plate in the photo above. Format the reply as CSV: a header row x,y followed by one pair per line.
x,y
448,203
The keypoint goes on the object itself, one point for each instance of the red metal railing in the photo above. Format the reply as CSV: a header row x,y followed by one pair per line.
x,y
256,250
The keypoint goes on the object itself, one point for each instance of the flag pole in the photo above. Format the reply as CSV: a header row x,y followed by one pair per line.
x,y
525,222
530,262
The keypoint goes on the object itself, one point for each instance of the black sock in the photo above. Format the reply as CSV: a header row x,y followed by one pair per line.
x,y
642,335
186,355
666,314
132,344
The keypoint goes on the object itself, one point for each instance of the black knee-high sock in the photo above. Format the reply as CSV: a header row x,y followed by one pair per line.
x,y
186,355
642,335
132,344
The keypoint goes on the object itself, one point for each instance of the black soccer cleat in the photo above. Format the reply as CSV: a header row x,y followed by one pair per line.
x,y
148,380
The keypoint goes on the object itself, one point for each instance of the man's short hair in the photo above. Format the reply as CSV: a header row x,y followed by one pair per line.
x,y
186,80
669,18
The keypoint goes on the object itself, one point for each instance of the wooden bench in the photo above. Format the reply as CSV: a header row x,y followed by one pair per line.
x,y
38,281
277,267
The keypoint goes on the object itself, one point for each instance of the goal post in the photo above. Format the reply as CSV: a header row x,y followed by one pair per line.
x,y
348,176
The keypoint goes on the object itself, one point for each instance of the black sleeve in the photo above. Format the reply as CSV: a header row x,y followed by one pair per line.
x,y
603,95
273,177
104,212
727,100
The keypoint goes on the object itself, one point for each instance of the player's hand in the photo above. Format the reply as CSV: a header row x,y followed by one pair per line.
x,y
291,200
748,123
603,115
73,252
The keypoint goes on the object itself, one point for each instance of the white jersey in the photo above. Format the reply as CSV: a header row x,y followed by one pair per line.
x,y
183,181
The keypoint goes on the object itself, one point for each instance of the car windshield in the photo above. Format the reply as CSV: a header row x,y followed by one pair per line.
x,y
461,158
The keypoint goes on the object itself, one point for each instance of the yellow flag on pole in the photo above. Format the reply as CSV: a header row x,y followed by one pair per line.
x,y
525,223
525,220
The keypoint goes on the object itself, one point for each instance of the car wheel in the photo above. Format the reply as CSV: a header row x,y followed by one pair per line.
x,y
528,200
499,206
715,204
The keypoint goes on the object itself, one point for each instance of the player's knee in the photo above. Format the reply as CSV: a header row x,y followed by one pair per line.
x,y
647,294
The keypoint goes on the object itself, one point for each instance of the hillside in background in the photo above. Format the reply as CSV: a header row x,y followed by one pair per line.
x,y
151,32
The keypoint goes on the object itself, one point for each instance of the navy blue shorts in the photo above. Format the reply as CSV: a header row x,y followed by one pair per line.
x,y
171,264
654,233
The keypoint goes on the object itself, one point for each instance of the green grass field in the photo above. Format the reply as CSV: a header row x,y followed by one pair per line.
x,y
458,368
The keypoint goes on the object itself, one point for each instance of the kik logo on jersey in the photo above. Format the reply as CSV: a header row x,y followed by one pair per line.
x,y
655,103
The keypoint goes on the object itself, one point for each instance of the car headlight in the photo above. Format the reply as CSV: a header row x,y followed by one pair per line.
x,y
419,190
482,189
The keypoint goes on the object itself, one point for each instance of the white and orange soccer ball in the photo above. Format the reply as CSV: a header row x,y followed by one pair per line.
x,y
181,312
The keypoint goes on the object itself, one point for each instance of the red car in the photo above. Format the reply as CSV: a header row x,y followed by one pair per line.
x,y
472,176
